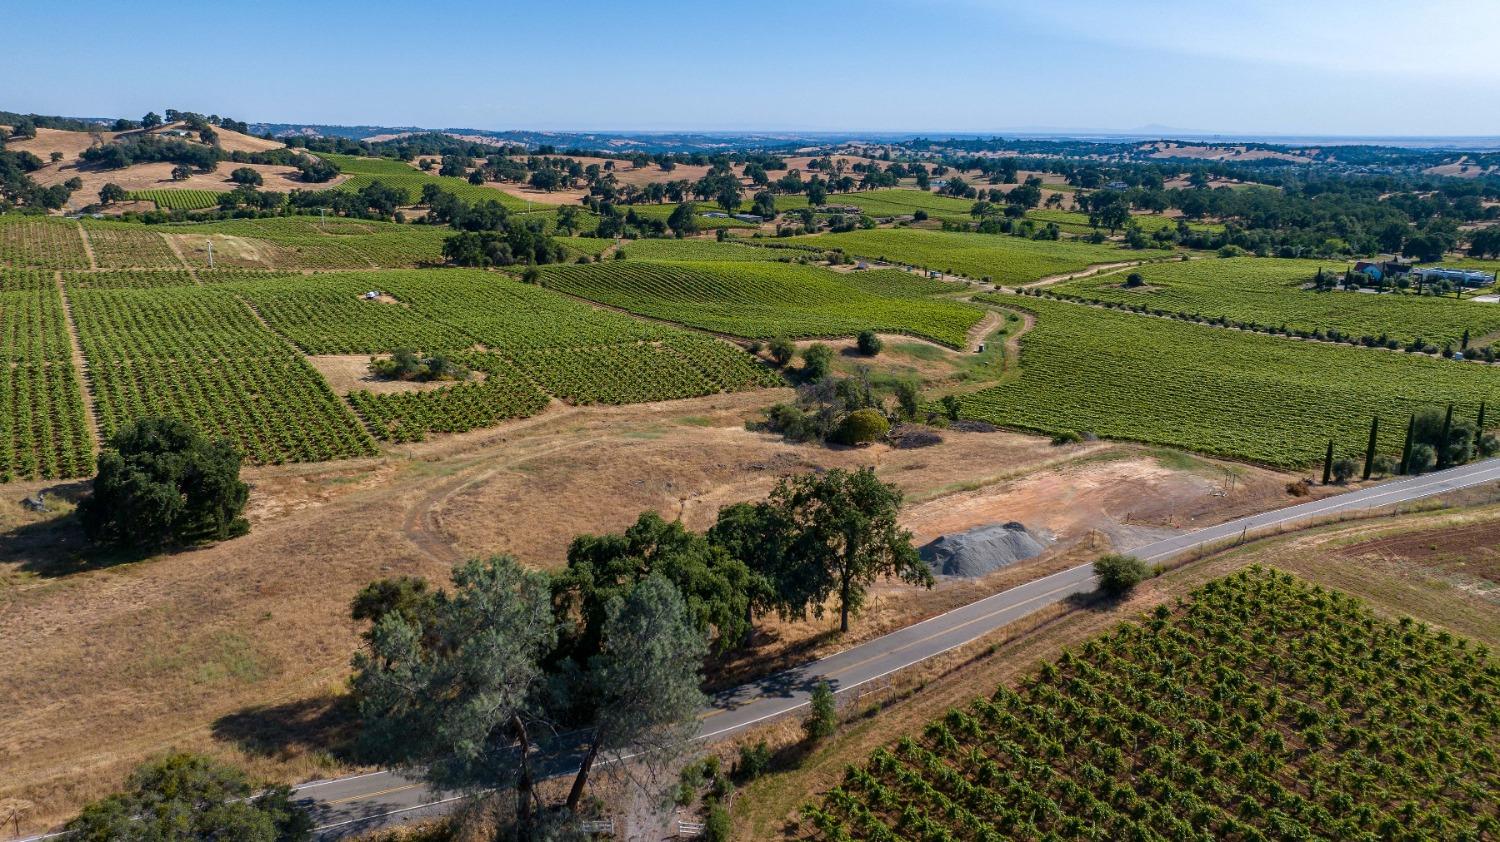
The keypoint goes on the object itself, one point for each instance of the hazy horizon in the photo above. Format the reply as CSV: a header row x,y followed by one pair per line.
x,y
1338,68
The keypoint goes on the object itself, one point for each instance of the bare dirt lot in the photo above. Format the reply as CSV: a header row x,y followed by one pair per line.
x,y
347,373
242,649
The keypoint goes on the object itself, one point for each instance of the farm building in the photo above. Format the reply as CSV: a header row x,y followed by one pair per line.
x,y
1462,277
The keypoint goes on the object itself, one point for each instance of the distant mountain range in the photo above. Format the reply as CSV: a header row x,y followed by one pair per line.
x,y
728,141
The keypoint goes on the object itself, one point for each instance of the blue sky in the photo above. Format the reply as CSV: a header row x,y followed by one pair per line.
x,y
1256,66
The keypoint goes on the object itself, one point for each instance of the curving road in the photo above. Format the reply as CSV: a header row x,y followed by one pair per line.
x,y
361,802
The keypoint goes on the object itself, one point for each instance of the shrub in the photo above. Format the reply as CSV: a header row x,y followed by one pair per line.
x,y
185,796
822,718
1386,465
716,828
1299,488
792,422
951,407
869,344
160,482
782,351
1119,573
1345,469
1134,280
1066,437
862,427
754,761
1423,457
1489,445
817,361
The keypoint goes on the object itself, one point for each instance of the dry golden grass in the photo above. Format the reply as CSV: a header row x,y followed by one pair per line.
x,y
242,649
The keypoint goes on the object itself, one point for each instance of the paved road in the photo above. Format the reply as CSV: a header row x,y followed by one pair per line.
x,y
361,802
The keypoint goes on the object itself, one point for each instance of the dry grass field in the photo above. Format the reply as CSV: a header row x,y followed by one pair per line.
x,y
242,649
149,176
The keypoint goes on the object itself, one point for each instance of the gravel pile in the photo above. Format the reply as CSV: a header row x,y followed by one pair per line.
x,y
982,550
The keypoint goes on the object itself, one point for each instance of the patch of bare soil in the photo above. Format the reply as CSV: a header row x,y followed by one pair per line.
x,y
242,649
347,373
230,251
1469,552
903,356
569,196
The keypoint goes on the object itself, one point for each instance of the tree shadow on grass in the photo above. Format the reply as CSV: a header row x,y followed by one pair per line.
x,y
56,546
325,723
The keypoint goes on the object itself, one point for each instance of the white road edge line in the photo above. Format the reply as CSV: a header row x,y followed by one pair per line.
x,y
1313,512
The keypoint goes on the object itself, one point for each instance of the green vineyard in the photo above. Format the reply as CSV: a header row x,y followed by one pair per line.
x,y
119,245
1223,392
409,416
1261,708
896,202
698,250
223,349
177,199
42,242
1006,260
43,422
1267,292
763,300
403,176
307,242
201,356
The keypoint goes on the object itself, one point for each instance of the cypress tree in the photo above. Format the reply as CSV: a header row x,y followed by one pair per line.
x,y
1442,447
1328,464
1479,425
1464,345
1370,448
1411,424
